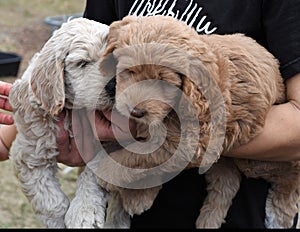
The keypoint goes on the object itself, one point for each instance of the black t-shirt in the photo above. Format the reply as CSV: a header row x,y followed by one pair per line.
x,y
275,24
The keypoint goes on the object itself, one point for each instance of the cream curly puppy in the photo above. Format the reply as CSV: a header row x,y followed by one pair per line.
x,y
64,74
200,95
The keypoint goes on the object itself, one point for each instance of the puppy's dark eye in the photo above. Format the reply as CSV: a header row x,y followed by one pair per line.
x,y
130,72
82,63
126,74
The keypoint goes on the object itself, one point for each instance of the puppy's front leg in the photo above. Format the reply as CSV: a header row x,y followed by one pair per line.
x,y
137,201
283,194
219,197
126,172
43,192
88,208
116,217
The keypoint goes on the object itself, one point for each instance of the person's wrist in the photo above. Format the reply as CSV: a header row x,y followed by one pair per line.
x,y
4,152
7,135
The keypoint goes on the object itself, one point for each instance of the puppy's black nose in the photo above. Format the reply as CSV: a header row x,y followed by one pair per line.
x,y
110,87
137,113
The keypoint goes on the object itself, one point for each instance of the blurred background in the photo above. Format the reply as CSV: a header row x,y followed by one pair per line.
x,y
23,32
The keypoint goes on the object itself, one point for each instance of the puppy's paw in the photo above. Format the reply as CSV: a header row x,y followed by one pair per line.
x,y
88,208
281,215
57,223
137,201
84,214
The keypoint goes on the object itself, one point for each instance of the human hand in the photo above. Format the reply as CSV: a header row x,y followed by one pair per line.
x,y
4,104
88,128
110,125
7,136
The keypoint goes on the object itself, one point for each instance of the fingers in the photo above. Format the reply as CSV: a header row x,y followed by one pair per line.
x,y
87,128
127,125
84,135
4,91
75,157
5,88
68,153
101,126
62,137
113,125
6,119
4,104
80,148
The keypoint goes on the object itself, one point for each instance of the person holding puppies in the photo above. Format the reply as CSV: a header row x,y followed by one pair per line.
x,y
69,155
273,24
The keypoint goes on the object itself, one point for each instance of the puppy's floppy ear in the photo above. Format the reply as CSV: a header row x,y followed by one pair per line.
x,y
17,94
108,62
115,30
108,65
47,80
201,90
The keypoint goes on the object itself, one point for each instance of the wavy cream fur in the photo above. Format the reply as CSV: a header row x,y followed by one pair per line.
x,y
64,74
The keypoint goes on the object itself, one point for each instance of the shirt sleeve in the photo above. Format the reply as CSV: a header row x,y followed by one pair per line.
x,y
281,21
102,11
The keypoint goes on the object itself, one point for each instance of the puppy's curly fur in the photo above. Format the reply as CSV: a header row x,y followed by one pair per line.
x,y
227,76
64,74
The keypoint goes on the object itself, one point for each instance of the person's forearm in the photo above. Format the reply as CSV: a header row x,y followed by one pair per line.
x,y
280,139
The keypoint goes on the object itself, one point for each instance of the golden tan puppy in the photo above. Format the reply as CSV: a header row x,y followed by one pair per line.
x,y
200,95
